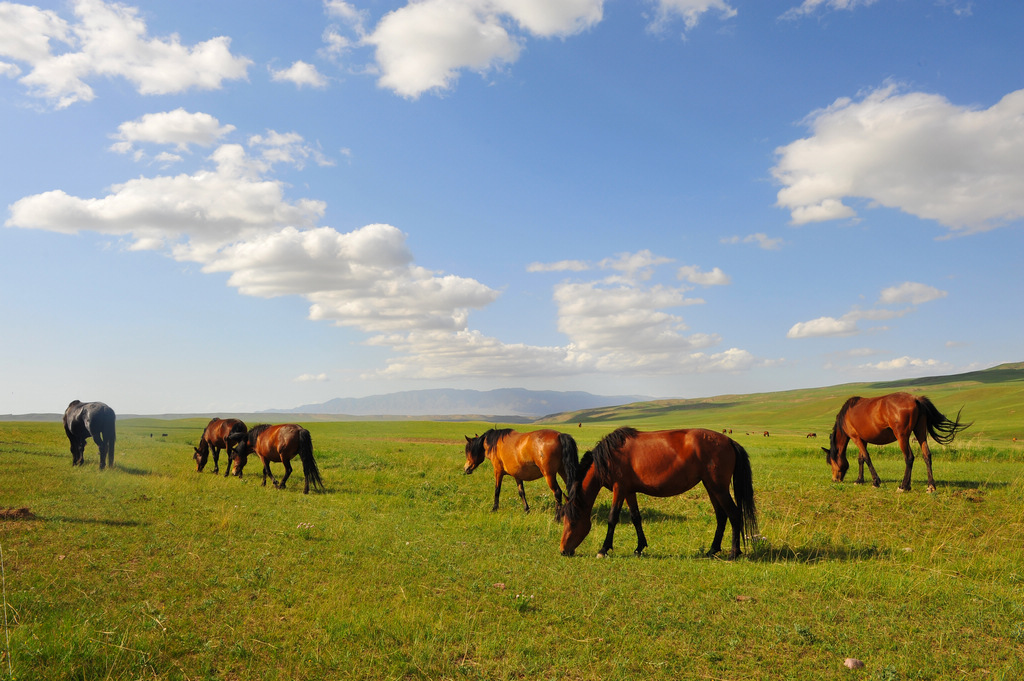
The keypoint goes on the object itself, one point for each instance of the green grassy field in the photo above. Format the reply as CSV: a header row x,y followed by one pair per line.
x,y
400,570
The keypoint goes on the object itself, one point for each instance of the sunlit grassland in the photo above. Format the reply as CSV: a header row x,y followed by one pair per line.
x,y
399,570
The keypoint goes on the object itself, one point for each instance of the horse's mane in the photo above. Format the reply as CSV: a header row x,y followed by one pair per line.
x,y
255,432
606,450
571,509
494,436
838,427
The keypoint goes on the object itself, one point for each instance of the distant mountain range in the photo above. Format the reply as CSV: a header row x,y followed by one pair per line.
x,y
508,402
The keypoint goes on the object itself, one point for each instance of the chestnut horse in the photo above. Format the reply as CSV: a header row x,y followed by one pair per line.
x,y
886,419
525,456
661,464
90,419
278,443
217,437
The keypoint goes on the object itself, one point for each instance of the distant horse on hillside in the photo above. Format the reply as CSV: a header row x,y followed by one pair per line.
x,y
661,464
278,443
217,437
881,420
525,456
90,419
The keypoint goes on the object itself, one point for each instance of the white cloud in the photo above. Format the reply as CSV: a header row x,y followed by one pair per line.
x,y
903,363
762,240
290,148
560,266
178,127
910,292
694,275
907,293
690,11
823,327
915,152
812,6
311,378
108,40
204,210
299,74
424,45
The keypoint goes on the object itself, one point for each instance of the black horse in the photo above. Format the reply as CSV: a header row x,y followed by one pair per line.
x,y
90,419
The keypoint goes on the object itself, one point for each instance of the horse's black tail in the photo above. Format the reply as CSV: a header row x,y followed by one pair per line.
x,y
309,469
743,488
940,428
570,459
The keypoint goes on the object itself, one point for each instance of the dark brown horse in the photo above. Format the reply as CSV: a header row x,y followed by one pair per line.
x,y
90,419
661,464
886,419
525,456
216,437
280,444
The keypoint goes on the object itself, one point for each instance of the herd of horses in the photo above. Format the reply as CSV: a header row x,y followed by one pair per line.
x,y
626,461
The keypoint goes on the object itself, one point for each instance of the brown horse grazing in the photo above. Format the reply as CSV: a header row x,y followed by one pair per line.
x,y
661,464
525,456
278,443
881,420
216,437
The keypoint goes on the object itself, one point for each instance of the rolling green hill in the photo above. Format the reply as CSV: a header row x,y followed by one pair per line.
x,y
993,399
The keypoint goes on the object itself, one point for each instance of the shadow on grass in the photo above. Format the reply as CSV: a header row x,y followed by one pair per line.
x,y
814,553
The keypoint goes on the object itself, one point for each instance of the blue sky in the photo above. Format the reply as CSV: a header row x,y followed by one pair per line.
x,y
233,206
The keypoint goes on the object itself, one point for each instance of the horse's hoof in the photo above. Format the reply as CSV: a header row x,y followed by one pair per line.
x,y
900,489
602,555
931,488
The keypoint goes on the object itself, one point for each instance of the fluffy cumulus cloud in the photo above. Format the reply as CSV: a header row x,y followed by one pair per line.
x,y
107,40
908,293
915,152
424,45
179,128
300,74
695,275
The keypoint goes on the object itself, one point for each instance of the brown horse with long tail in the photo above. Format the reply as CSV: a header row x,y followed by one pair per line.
x,y
662,464
525,456
883,420
217,436
279,444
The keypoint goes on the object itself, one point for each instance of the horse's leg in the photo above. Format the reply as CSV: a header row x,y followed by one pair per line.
x,y
216,459
721,515
102,447
499,473
522,495
908,459
552,480
921,433
864,458
634,515
287,472
613,520
266,472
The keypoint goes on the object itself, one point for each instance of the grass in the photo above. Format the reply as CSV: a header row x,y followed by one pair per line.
x,y
400,571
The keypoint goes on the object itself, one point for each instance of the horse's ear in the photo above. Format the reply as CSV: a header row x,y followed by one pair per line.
x,y
467,438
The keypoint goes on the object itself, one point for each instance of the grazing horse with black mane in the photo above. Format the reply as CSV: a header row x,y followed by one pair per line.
x,y
216,437
886,419
662,464
525,456
278,443
83,420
